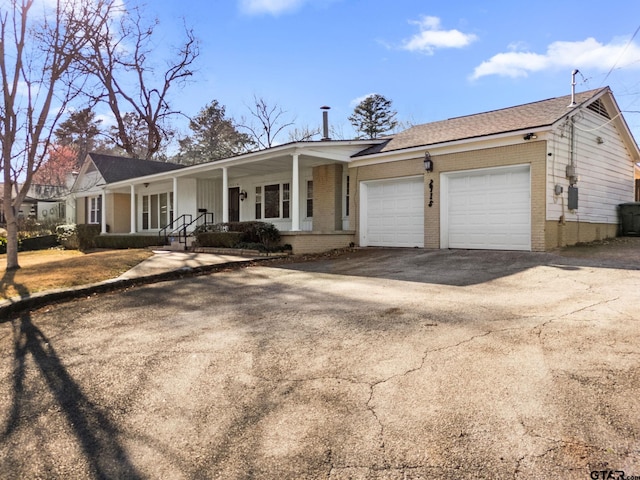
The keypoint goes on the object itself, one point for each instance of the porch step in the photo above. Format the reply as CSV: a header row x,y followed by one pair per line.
x,y
241,252
175,244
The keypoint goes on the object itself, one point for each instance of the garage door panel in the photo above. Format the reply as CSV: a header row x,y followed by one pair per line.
x,y
394,213
489,209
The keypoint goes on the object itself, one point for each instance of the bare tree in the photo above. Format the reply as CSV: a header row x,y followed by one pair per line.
x,y
38,54
304,134
270,122
120,57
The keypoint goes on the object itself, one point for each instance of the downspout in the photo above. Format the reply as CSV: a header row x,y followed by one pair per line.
x,y
571,168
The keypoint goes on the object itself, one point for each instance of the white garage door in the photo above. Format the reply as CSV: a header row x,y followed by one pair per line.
x,y
487,209
392,213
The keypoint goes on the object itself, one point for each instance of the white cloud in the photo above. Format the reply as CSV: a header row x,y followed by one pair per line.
x,y
273,7
432,37
107,120
357,101
585,54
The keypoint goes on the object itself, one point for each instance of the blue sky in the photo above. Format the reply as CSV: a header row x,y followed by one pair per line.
x,y
433,60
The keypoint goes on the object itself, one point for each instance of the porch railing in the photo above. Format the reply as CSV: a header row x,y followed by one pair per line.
x,y
180,227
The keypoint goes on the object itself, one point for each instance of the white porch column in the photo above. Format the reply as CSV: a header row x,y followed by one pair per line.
x,y
175,198
295,195
133,209
225,195
103,212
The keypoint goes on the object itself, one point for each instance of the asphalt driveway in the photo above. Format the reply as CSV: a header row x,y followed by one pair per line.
x,y
374,364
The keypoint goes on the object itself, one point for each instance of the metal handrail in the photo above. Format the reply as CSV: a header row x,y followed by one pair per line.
x,y
181,221
181,231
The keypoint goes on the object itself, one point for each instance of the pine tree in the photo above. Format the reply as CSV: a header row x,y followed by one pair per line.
x,y
373,117
214,137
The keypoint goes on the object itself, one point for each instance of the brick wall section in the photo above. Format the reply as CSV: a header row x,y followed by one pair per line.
x,y
570,233
313,242
532,153
327,198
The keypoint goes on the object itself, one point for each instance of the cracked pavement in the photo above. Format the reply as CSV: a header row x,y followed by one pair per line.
x,y
372,364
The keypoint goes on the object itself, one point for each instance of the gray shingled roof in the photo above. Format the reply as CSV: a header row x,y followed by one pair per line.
x,y
115,169
522,117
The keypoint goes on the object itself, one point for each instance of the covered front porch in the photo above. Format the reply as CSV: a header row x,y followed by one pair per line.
x,y
302,188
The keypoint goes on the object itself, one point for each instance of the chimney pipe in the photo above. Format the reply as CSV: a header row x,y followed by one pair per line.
x,y
325,122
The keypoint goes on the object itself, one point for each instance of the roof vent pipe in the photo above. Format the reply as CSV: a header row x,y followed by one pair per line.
x,y
325,122
573,88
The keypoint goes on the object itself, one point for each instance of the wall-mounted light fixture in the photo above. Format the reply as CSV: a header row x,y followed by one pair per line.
x,y
428,162
599,140
145,184
243,195
530,136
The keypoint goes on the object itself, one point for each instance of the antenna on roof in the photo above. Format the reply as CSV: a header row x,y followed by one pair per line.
x,y
573,88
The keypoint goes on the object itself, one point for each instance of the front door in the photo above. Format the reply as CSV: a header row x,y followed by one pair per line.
x,y
234,204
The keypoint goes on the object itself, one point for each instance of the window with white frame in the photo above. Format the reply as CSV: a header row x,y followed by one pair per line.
x,y
258,203
346,198
309,198
273,201
157,210
95,209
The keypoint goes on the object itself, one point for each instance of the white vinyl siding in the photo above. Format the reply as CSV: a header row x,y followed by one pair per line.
x,y
603,166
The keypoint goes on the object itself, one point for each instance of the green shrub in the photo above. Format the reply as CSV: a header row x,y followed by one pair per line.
x,y
252,232
87,235
41,242
219,239
67,236
126,241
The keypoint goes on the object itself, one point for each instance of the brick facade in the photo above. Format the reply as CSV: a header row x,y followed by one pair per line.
x,y
327,198
533,154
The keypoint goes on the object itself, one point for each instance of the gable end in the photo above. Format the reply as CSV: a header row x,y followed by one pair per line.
x,y
599,108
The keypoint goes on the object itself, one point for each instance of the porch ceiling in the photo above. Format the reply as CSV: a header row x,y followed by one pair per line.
x,y
282,163
277,164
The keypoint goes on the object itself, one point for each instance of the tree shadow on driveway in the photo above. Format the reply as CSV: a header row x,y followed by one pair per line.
x,y
93,431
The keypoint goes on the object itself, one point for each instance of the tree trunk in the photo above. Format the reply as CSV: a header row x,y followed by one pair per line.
x,y
12,238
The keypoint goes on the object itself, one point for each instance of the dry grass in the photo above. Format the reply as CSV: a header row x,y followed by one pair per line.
x,y
49,269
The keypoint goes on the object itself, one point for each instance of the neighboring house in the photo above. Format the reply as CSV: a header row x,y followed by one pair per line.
x,y
27,208
637,177
530,177
42,202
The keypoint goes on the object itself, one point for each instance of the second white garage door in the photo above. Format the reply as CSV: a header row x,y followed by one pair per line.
x,y
487,209
392,213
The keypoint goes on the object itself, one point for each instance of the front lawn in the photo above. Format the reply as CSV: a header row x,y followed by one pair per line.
x,y
50,269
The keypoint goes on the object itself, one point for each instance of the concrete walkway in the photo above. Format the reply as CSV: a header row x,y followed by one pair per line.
x,y
164,261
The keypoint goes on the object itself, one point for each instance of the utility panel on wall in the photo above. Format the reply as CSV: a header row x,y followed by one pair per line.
x,y
573,198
